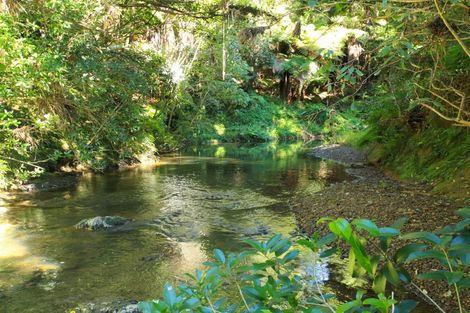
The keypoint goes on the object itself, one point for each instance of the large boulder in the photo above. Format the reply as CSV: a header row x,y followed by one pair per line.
x,y
101,222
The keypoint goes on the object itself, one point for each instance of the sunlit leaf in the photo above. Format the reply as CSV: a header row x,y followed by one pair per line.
x,y
219,255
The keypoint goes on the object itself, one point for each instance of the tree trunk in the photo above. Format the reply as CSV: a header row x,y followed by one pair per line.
x,y
284,86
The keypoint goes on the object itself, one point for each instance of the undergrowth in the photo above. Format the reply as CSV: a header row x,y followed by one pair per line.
x,y
414,144
263,120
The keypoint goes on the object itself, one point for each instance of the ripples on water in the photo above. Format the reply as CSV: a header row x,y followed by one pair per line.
x,y
181,210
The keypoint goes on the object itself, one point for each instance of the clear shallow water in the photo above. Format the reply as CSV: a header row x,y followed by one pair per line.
x,y
181,210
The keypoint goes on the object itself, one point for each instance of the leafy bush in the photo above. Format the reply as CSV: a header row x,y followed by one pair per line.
x,y
70,96
265,279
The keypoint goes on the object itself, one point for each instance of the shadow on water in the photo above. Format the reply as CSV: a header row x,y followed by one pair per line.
x,y
180,210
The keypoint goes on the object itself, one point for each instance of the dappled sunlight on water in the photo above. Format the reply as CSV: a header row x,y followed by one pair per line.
x,y
192,255
11,246
180,211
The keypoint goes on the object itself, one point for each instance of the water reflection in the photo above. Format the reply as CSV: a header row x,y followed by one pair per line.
x,y
11,246
182,209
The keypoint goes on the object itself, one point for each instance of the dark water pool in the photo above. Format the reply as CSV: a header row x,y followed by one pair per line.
x,y
181,210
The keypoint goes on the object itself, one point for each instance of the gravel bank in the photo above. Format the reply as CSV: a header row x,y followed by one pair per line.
x,y
378,197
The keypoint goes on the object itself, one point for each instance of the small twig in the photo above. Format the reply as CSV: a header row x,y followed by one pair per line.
x,y
23,162
427,297
242,296
210,304
457,293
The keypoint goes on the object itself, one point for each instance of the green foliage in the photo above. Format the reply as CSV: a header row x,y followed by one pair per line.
x,y
97,83
265,279
371,256
70,96
260,120
420,148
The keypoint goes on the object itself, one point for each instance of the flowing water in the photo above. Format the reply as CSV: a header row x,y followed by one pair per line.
x,y
181,210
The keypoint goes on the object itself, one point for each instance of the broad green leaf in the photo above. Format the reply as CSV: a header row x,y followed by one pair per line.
x,y
374,262
253,293
360,294
341,228
328,252
450,229
389,232
450,277
405,306
459,250
367,225
274,239
379,283
404,275
464,283
290,256
219,255
264,265
190,303
326,240
348,306
404,252
391,273
465,259
360,253
169,295
282,246
464,212
255,244
384,52
426,236
307,243
429,254
152,306
384,243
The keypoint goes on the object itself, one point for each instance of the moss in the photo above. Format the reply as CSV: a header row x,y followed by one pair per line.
x,y
437,154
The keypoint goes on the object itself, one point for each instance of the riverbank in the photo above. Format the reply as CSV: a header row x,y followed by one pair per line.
x,y
377,196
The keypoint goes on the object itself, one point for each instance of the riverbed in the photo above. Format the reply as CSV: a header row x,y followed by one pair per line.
x,y
179,211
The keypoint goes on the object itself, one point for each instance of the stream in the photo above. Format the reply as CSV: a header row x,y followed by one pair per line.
x,y
180,210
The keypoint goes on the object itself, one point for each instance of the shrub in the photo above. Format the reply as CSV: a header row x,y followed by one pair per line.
x,y
265,279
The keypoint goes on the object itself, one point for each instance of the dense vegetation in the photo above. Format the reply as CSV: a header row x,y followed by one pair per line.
x,y
91,85
87,85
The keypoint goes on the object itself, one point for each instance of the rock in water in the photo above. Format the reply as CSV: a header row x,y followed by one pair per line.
x,y
256,231
101,222
214,197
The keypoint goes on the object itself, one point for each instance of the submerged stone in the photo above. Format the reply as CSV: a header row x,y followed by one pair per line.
x,y
256,231
101,222
215,197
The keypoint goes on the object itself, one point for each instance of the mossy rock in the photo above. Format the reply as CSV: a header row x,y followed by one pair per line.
x,y
101,222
